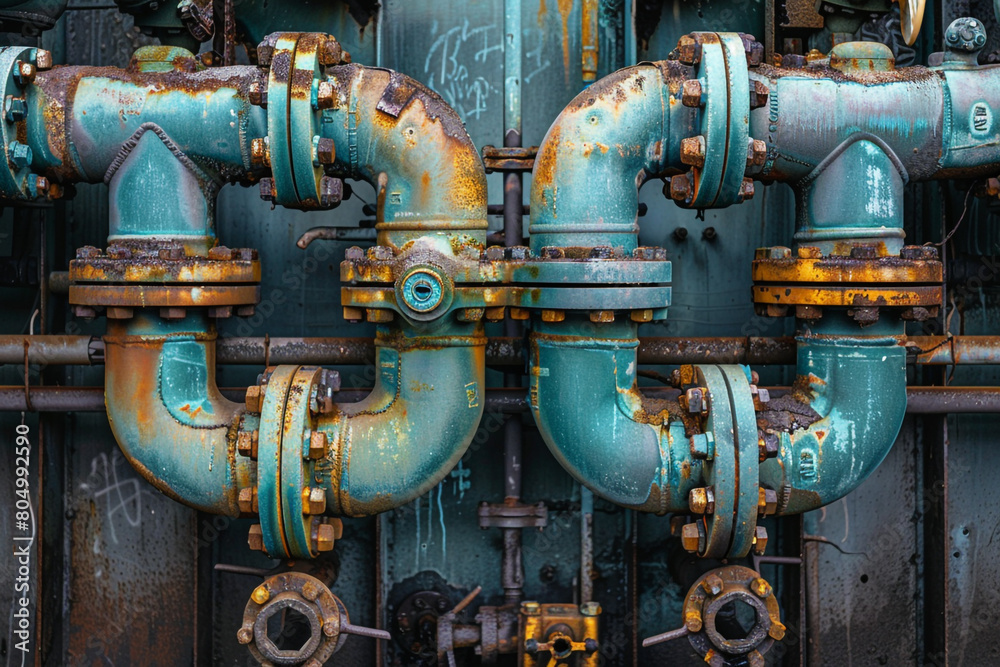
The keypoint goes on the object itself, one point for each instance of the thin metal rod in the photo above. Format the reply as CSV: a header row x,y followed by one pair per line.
x,y
665,637
920,400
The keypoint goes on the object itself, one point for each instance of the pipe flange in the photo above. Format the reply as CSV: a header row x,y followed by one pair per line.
x,y
297,150
18,66
727,504
162,275
320,618
862,280
722,83
732,616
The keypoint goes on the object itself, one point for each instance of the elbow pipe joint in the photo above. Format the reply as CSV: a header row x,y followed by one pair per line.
x,y
315,457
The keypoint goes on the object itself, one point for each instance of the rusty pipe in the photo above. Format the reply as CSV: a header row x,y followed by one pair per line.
x,y
167,413
401,137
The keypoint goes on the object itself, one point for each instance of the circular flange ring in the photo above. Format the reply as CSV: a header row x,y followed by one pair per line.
x,y
269,452
310,597
720,471
16,179
747,463
294,463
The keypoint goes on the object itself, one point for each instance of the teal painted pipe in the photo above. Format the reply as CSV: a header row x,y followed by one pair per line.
x,y
624,447
401,137
839,421
403,438
166,411
616,134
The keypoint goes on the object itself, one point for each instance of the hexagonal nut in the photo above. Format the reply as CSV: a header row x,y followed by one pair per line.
x,y
774,252
747,190
313,500
650,253
768,444
808,312
255,538
14,108
688,50
713,585
326,152
257,94
43,59
767,501
691,538
590,609
777,631
221,253
691,93
864,252
864,316
702,500
326,536
330,52
693,151
759,540
254,398
760,588
25,72
692,620
246,443
680,187
809,252
518,253
919,252
602,316
87,252
756,152
695,398
759,94
380,253
331,191
267,189
325,97
260,153
354,253
602,252
317,445
247,500
754,50
19,154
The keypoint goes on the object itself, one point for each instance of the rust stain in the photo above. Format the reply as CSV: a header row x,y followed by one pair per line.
x,y
565,9
542,11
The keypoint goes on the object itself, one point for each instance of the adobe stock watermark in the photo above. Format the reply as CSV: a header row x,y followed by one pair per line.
x,y
22,615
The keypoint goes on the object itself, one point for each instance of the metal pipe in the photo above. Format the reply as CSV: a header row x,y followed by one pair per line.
x,y
920,400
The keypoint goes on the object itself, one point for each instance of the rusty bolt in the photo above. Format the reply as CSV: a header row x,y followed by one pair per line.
x,y
260,152
696,400
255,538
767,443
692,620
808,312
520,253
809,252
990,188
553,252
774,252
309,591
760,540
331,191
602,316
756,152
602,252
325,150
119,313
746,189
19,154
590,609
753,49
330,52
864,252
87,252
530,608
688,50
14,108
693,151
702,500
119,252
317,445
246,500
84,312
758,94
172,253
553,315
257,94
254,398
43,59
925,252
649,253
691,93
864,316
496,313
767,501
754,659
325,537
220,252
691,538
777,631
713,585
267,189
643,315
702,446
25,73
330,628
313,500
173,313
519,313
261,594
494,253
354,254
265,51
244,636
246,443
325,97
681,187
760,588
918,313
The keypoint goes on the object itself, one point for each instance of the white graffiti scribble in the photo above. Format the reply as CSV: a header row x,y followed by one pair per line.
x,y
447,73
120,495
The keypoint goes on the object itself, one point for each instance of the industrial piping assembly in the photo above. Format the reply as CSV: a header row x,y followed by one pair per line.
x,y
712,121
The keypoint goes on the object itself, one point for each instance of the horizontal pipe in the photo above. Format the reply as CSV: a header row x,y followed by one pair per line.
x,y
500,350
920,400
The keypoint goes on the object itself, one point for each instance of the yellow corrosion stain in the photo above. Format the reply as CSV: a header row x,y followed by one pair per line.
x,y
542,11
565,8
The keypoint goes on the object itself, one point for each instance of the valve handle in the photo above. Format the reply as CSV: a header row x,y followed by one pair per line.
x,y
365,632
665,637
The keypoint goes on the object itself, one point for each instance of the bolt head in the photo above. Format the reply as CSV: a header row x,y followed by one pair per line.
x,y
26,72
244,636
688,50
746,189
325,150
691,538
702,500
760,588
261,594
331,191
713,584
15,108
692,620
317,445
530,608
864,252
260,152
257,94
43,59
314,500
760,540
756,152
20,154
680,187
246,500
267,189
767,501
255,538
691,93
326,536
693,151
590,609
221,253
325,96
254,398
758,94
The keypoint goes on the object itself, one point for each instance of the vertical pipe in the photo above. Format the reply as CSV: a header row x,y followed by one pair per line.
x,y
513,567
588,37
586,544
